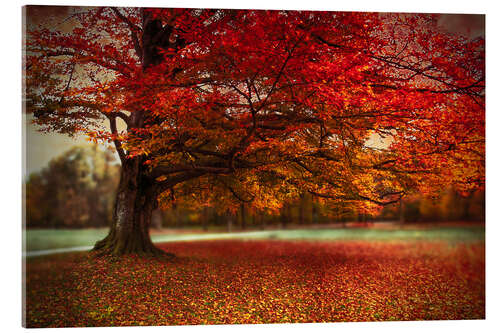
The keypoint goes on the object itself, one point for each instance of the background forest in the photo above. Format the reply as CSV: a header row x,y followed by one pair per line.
x,y
76,190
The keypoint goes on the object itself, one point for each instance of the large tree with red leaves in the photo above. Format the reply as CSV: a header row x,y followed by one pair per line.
x,y
220,107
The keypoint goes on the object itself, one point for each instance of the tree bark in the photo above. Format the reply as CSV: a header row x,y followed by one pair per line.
x,y
134,204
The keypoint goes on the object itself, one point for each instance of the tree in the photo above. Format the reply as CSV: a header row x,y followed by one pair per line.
x,y
231,107
74,190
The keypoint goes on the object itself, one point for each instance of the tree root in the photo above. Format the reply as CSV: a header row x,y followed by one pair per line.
x,y
111,246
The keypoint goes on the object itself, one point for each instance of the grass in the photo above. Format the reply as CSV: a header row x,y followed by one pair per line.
x,y
263,281
43,239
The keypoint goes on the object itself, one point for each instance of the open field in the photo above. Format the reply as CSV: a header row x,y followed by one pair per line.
x,y
43,239
263,281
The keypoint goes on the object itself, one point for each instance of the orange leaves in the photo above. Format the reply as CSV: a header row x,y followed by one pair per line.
x,y
280,102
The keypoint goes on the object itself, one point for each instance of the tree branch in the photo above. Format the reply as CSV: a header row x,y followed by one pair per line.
x,y
117,143
134,29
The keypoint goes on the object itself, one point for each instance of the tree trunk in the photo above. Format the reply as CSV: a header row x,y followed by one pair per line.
x,y
204,219
134,204
401,212
314,212
229,218
262,220
301,208
243,218
284,216
136,196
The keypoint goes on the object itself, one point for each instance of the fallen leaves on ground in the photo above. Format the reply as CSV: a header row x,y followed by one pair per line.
x,y
230,282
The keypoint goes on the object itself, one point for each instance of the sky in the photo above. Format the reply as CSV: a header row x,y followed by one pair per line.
x,y
40,148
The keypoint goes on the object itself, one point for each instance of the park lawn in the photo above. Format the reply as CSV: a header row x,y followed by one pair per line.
x,y
261,281
44,239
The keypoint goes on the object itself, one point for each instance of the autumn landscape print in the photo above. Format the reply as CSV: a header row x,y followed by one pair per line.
x,y
220,166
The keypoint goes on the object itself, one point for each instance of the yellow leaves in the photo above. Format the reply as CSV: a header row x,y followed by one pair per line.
x,y
92,137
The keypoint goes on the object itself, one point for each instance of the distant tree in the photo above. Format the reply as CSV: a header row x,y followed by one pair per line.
x,y
38,209
449,205
74,190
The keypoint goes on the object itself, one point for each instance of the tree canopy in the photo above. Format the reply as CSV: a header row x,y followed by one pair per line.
x,y
220,107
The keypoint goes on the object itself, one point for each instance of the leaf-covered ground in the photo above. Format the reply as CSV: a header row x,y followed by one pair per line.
x,y
228,282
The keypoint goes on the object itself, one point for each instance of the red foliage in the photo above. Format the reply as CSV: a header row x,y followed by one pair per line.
x,y
229,282
262,105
